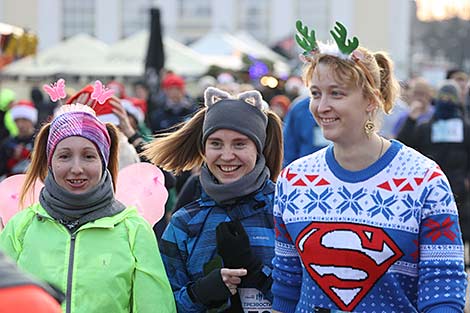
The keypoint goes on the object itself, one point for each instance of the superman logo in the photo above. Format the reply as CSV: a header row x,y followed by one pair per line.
x,y
346,259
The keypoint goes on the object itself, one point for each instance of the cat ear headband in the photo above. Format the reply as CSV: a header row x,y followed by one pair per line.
x,y
213,95
244,113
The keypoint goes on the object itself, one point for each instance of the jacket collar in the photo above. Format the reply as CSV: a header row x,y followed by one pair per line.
x,y
104,222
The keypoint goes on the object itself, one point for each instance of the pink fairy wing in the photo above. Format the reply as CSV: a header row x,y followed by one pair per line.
x,y
9,196
51,92
143,185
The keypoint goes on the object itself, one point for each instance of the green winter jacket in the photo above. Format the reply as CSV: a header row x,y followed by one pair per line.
x,y
110,265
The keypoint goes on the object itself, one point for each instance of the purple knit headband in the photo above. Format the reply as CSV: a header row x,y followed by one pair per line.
x,y
78,124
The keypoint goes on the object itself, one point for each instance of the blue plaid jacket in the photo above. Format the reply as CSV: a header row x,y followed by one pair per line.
x,y
188,245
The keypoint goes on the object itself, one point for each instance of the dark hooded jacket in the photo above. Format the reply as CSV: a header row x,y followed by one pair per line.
x,y
446,140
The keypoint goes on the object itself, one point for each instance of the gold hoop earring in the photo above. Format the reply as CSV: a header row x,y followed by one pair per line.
x,y
369,126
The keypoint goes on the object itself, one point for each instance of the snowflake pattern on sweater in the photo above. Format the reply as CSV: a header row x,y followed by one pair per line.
x,y
383,239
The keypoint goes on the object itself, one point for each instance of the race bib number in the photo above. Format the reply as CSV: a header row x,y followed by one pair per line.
x,y
253,301
450,130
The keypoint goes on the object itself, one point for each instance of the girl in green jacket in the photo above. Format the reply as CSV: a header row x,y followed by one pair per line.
x,y
103,256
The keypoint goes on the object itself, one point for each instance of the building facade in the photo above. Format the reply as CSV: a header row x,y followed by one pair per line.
x,y
379,24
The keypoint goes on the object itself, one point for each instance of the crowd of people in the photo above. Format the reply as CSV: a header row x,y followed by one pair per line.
x,y
343,190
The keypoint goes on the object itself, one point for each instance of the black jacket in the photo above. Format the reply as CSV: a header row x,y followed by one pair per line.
x,y
452,157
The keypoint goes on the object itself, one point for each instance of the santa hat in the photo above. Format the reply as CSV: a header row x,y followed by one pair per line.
x,y
132,109
104,112
24,109
173,80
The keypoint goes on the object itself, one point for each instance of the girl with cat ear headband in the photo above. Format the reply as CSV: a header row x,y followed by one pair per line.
x,y
217,250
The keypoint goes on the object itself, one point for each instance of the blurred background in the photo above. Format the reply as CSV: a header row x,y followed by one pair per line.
x,y
160,55
127,40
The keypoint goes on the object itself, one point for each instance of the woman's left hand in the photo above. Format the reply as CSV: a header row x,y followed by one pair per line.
x,y
124,124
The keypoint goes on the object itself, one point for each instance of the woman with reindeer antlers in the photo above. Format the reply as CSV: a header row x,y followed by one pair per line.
x,y
366,224
218,249
79,237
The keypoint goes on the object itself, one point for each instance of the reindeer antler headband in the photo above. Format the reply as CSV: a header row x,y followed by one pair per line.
x,y
345,48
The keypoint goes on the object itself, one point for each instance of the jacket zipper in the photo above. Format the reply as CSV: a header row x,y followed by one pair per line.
x,y
68,296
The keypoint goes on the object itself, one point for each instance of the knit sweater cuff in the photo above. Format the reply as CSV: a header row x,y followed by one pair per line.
x,y
284,305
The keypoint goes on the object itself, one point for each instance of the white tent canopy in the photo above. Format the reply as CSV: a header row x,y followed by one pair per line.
x,y
259,48
131,52
79,50
226,50
83,55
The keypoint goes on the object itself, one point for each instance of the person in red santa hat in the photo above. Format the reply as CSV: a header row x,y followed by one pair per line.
x,y
16,150
173,105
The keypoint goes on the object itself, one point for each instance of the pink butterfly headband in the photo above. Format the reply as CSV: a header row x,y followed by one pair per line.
x,y
101,93
56,91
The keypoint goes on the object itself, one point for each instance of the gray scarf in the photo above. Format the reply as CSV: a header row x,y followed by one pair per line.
x,y
74,210
230,193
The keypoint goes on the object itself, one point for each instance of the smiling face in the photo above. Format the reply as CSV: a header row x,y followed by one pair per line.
x,y
76,165
340,110
229,155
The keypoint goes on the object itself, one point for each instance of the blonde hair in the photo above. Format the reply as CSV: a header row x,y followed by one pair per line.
x,y
384,87
39,168
419,83
182,150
